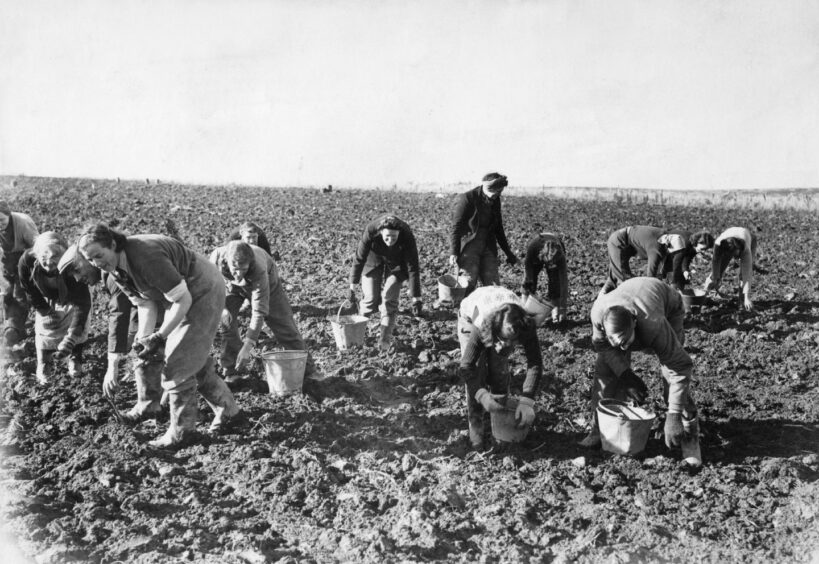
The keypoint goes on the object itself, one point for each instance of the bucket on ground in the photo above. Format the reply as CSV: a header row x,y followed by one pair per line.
x,y
284,371
624,428
692,297
537,308
451,288
504,427
348,330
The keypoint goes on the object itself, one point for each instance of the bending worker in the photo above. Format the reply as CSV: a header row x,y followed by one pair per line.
x,y
491,322
17,233
734,243
644,314
652,244
160,272
546,251
386,257
477,231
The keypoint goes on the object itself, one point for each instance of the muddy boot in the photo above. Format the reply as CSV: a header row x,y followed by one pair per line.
x,y
385,335
691,441
148,376
219,398
592,439
45,366
184,415
476,433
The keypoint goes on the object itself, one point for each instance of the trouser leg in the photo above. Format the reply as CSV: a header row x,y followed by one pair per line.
x,y
184,413
148,377
228,337
470,263
14,316
370,292
216,393
489,267
45,365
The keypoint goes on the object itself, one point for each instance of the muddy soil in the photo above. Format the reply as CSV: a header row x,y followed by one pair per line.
x,y
372,463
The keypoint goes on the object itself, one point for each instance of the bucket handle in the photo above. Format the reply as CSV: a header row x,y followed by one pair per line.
x,y
338,314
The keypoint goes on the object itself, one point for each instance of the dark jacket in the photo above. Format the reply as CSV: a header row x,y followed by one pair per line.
x,y
679,262
557,272
43,298
465,221
401,258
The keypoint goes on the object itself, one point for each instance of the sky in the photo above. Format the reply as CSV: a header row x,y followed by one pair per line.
x,y
693,94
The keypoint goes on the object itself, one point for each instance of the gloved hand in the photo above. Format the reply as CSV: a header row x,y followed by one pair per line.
x,y
686,275
244,354
488,402
65,347
151,347
525,413
110,384
673,430
453,260
633,386
417,309
747,303
558,315
527,288
511,259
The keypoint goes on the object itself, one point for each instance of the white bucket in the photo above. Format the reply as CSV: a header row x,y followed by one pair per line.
x,y
537,308
284,371
504,426
624,428
451,288
349,330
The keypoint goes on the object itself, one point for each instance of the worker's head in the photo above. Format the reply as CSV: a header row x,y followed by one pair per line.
x,y
249,233
619,325
74,264
388,228
493,184
550,254
506,325
732,246
101,245
238,259
702,241
48,249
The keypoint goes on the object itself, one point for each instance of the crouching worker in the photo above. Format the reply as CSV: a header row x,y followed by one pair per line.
x,y
652,244
491,322
122,326
250,273
156,272
17,233
734,243
546,251
62,306
386,257
644,314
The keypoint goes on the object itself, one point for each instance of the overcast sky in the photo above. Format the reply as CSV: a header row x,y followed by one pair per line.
x,y
665,94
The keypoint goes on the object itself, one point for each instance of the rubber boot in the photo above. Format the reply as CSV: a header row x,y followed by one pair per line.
x,y
184,409
75,361
691,453
476,433
385,335
45,366
148,378
592,439
218,396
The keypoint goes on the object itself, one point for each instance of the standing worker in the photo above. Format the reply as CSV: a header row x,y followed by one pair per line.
x,y
477,231
250,273
122,326
155,272
491,322
734,243
61,305
644,314
17,233
652,244
386,257
546,251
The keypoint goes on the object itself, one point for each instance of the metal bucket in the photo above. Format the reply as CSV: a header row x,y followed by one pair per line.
x,y
624,428
451,289
284,371
348,330
504,427
692,297
537,308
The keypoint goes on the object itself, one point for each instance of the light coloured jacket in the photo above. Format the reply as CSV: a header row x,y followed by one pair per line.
x,y
659,327
477,306
746,266
25,231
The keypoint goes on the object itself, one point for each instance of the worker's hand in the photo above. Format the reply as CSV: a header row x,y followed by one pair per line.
x,y
747,303
453,260
65,347
487,401
351,296
226,318
686,275
511,259
525,413
527,288
110,384
633,386
673,430
417,308
151,347
711,284
244,354
558,315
